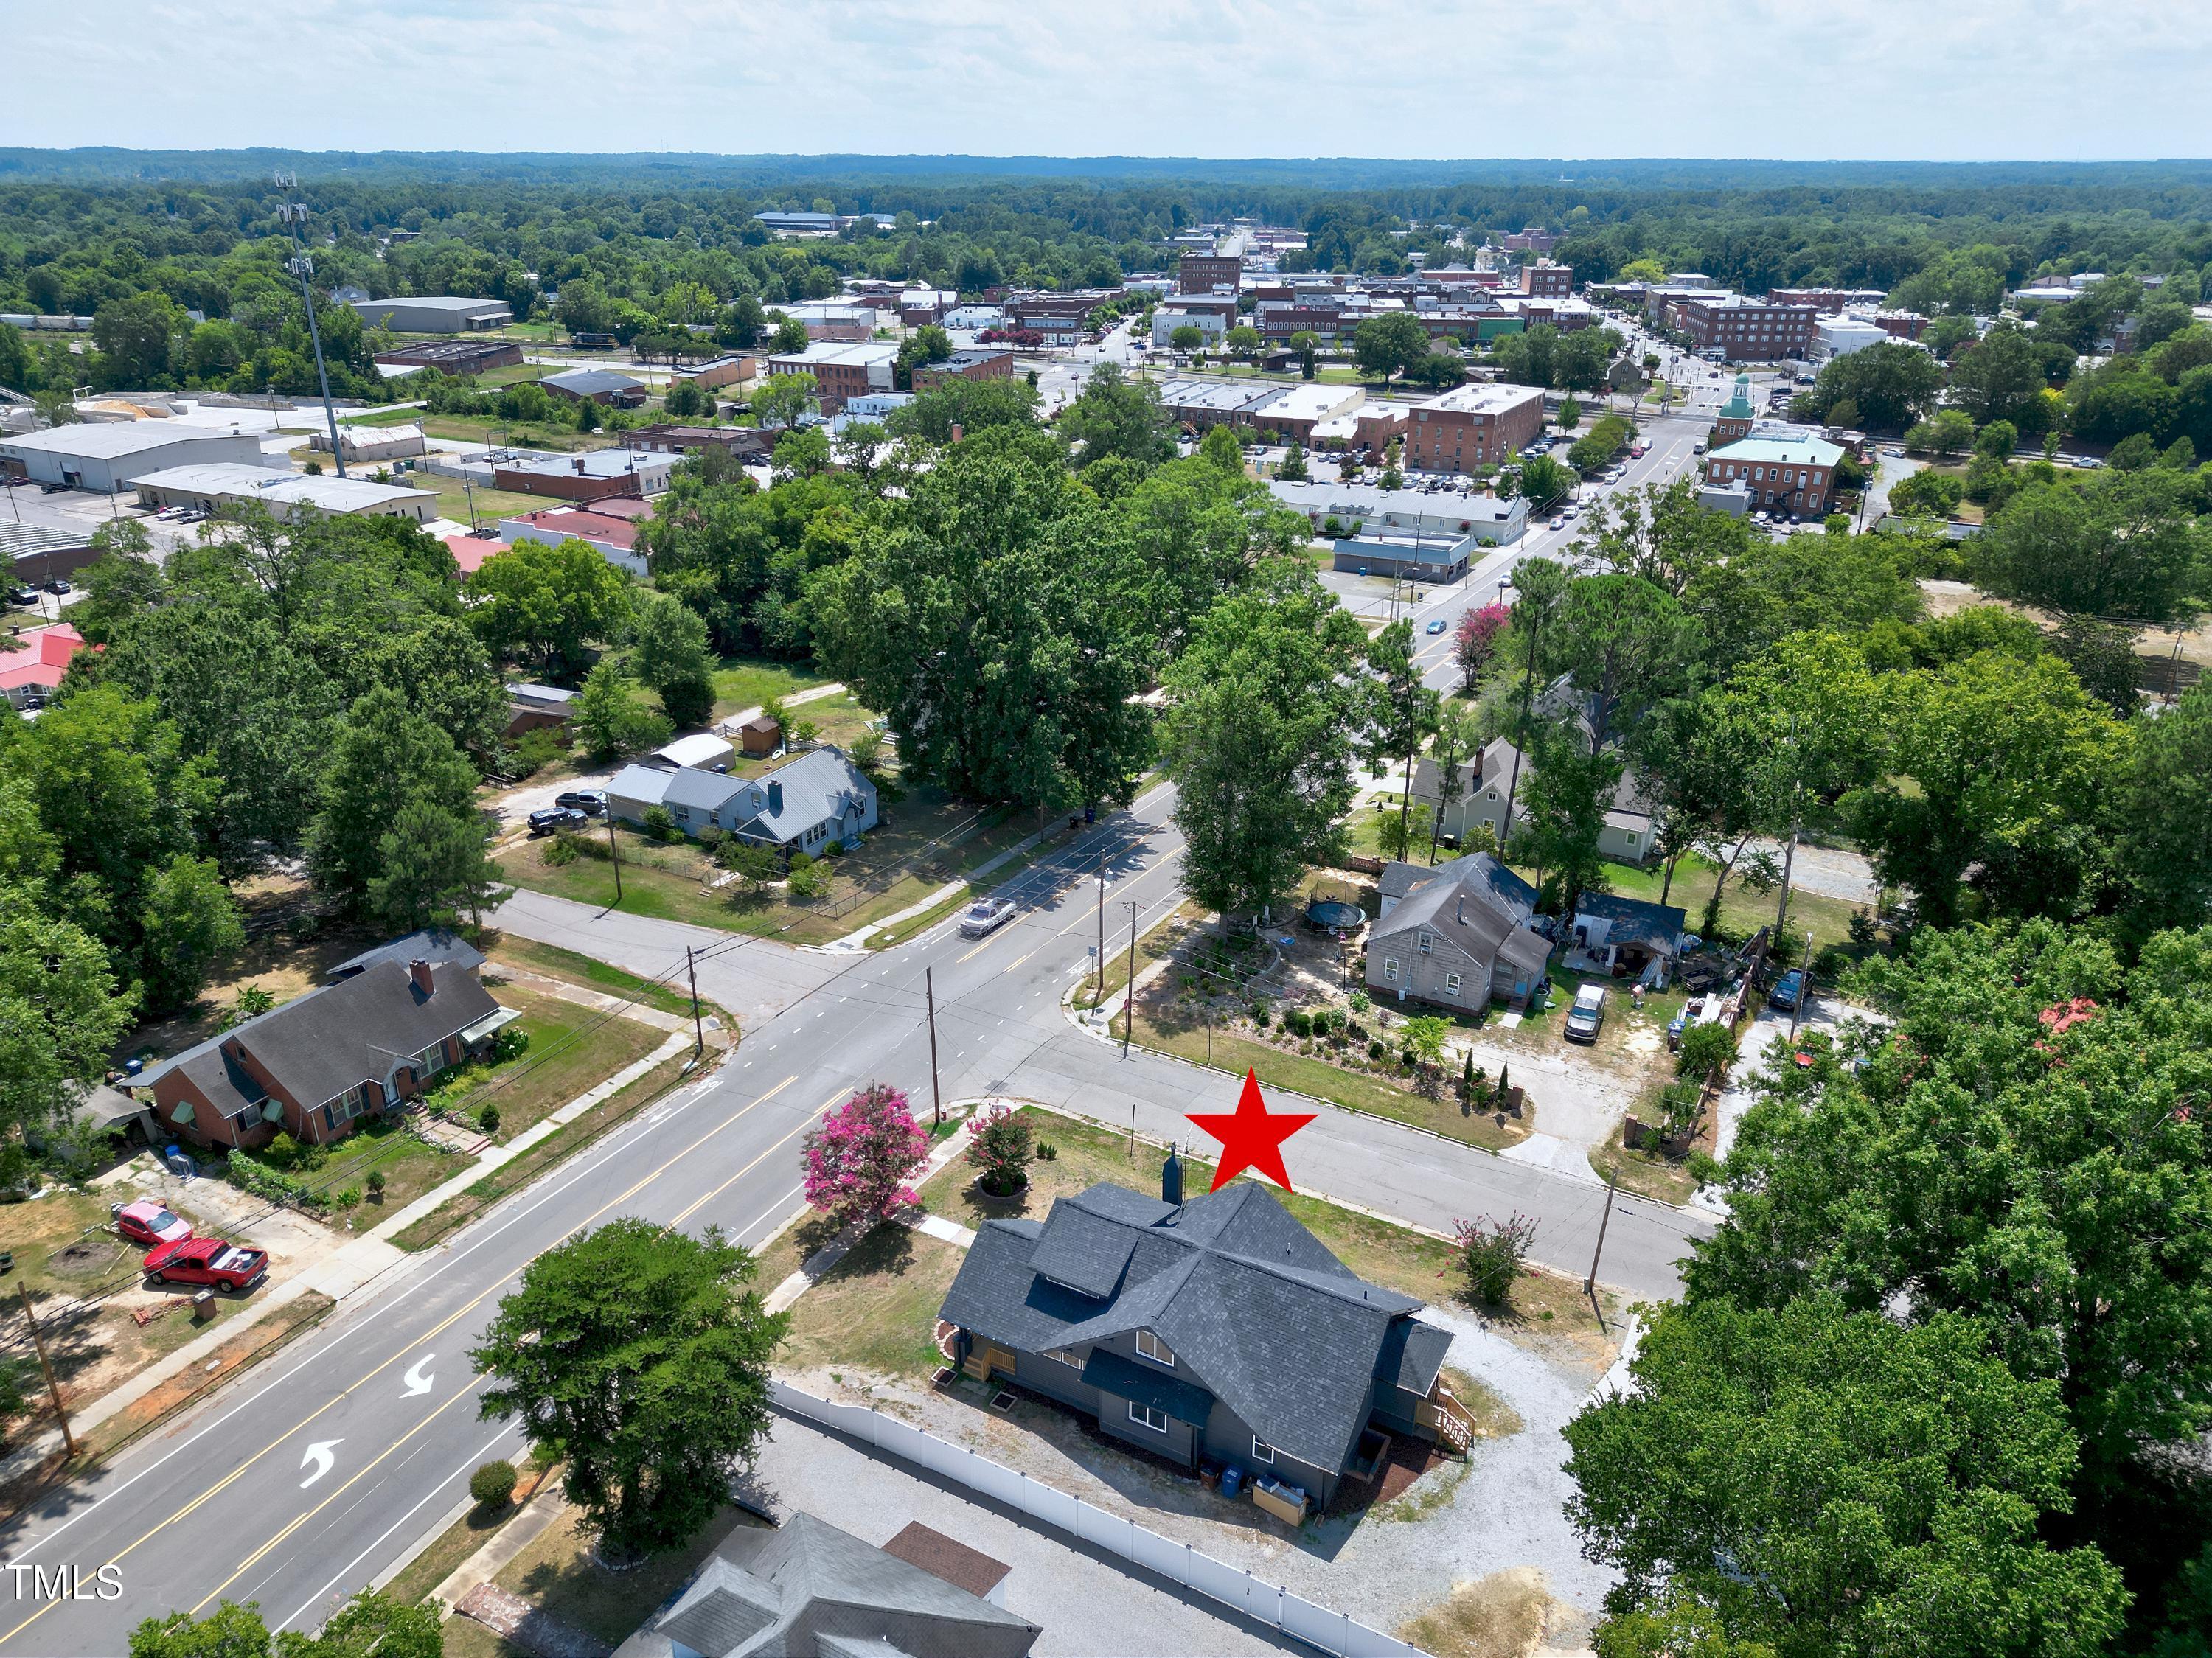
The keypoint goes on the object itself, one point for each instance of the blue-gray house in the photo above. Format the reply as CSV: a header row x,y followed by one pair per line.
x,y
1215,1330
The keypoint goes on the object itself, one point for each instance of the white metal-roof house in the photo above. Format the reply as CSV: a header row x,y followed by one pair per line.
x,y
803,805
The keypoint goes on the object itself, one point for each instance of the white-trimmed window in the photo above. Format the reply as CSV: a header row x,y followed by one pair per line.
x,y
346,1107
1427,944
1060,1355
1145,1416
1451,984
1263,1451
429,1062
1390,970
1151,1346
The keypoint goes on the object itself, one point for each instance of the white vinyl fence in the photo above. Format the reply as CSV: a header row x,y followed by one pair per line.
x,y
1232,1586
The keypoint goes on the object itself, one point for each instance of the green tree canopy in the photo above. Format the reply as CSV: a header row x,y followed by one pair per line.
x,y
548,602
1827,1481
1264,711
640,1355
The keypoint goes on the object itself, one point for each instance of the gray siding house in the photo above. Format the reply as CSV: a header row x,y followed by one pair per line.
x,y
1631,822
803,805
1457,936
1218,1330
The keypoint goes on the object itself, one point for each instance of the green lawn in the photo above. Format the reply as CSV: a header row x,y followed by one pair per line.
x,y
457,500
746,682
1743,911
876,1308
570,1050
483,428
926,840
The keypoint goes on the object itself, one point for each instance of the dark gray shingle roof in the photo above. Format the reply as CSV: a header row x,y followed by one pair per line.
x,y
323,1043
1255,1309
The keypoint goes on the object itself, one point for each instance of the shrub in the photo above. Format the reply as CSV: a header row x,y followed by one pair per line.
x,y
1490,1255
1375,1048
561,850
1707,1050
710,838
1046,1152
492,1485
1260,1014
1360,1002
536,751
348,1197
810,880
488,1120
657,824
1298,1022
999,1147
376,1184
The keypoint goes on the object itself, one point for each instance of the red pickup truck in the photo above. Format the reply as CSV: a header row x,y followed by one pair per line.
x,y
208,1260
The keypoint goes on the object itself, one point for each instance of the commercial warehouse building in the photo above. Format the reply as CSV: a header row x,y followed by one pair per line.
x,y
443,315
106,457
223,485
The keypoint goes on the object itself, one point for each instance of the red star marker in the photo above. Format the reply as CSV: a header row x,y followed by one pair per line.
x,y
1251,1137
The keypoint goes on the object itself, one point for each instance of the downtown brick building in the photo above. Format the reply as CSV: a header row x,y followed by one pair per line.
x,y
1472,426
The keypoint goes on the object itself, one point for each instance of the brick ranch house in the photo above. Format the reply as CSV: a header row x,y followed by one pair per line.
x,y
319,1065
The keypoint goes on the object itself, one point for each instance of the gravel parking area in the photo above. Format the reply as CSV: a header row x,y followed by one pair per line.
x,y
1087,1607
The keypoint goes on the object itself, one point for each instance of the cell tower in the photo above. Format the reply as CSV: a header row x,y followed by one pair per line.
x,y
294,216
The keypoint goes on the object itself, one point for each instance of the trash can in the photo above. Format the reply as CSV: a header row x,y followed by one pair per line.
x,y
1232,1481
203,1305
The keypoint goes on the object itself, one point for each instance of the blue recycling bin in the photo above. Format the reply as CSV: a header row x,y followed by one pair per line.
x,y
1232,1481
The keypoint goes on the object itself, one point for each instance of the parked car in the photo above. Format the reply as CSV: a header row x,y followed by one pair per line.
x,y
148,1223
986,915
593,803
1436,625
1790,990
227,1266
555,817
18,593
1558,522
60,585
1894,452
1586,1017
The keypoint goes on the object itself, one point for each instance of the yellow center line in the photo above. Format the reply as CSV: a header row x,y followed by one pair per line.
x,y
804,1123
278,1440
1016,962
978,951
248,1564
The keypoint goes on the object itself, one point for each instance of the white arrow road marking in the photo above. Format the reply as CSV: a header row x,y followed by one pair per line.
x,y
319,1455
418,1379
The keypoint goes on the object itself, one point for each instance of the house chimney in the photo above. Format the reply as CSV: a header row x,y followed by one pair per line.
x,y
1461,916
774,796
956,431
419,971
1171,1179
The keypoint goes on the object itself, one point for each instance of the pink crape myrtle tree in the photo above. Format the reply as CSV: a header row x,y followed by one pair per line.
x,y
1475,640
861,1155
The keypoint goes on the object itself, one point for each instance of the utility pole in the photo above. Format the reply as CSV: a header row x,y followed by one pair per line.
x,y
1129,1008
698,1025
294,214
614,853
1521,737
936,1095
1804,989
1796,826
69,1439
1589,1283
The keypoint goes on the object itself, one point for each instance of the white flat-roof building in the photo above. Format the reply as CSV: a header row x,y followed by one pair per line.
x,y
422,314
214,487
375,443
114,455
1839,336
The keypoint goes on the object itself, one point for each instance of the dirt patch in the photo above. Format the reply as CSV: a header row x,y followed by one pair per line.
x,y
1508,1614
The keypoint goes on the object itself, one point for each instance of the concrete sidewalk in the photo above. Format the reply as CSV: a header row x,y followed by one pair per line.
x,y
352,1269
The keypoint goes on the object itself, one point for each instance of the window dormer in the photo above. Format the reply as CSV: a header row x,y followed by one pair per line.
x,y
1151,1346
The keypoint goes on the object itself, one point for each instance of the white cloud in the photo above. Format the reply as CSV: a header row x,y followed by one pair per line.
x,y
1972,80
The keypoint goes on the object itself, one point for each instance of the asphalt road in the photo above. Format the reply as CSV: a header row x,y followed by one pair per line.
x,y
315,1472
